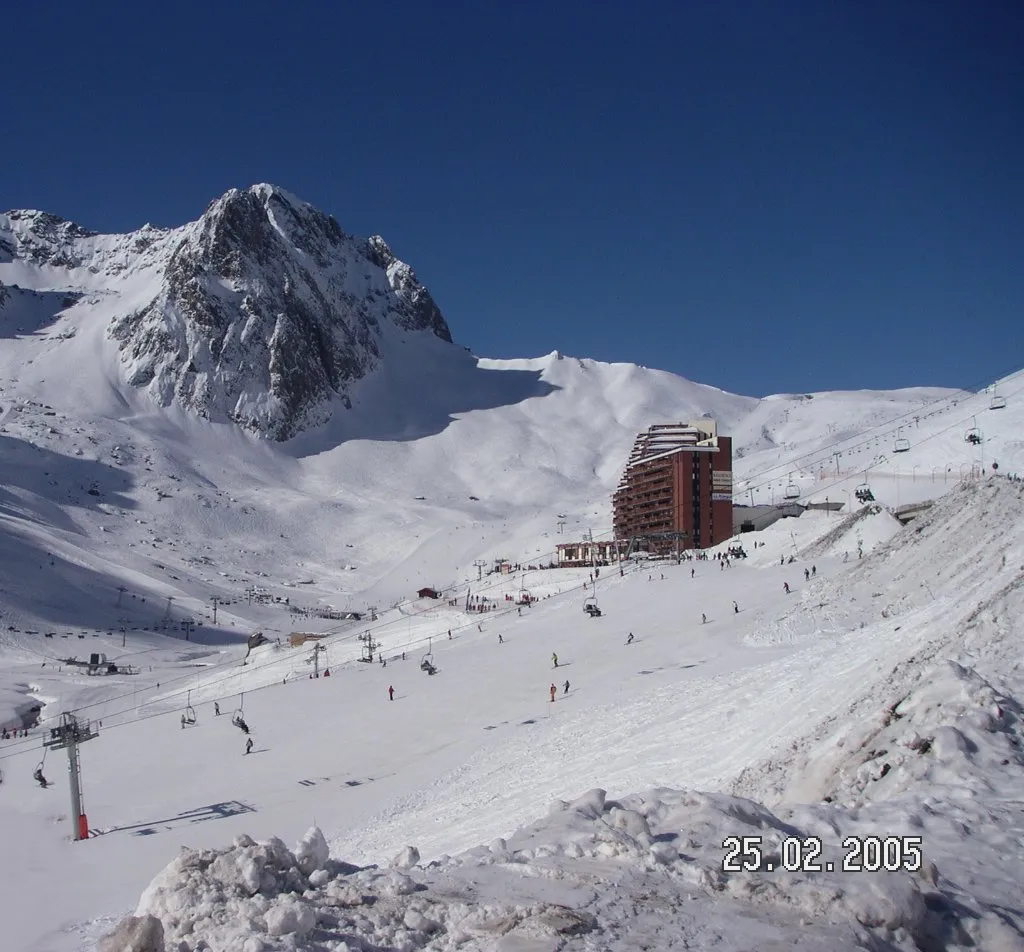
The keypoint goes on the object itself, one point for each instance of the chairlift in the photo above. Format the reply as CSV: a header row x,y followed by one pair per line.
x,y
792,490
998,402
189,717
590,607
238,717
901,445
427,661
863,493
37,774
973,435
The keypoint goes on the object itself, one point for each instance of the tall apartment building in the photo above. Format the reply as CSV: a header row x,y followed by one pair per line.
x,y
676,490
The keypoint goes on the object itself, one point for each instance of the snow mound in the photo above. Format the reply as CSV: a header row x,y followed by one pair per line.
x,y
647,867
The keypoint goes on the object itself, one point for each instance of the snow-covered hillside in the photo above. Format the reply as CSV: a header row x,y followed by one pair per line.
x,y
880,697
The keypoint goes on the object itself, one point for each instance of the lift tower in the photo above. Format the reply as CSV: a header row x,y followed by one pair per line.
x,y
69,734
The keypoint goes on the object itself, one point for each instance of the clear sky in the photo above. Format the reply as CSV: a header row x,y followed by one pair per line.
x,y
765,196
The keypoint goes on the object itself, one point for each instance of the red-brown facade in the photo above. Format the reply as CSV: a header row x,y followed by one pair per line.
x,y
676,490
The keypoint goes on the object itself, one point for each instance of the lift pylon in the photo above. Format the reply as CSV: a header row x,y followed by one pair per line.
x,y
71,732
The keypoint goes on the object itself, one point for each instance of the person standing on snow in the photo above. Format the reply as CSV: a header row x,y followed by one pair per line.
x,y
391,692
703,618
735,608
629,640
566,686
554,660
785,585
553,691
248,746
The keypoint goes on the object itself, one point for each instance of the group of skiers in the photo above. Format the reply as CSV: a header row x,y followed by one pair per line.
x,y
554,690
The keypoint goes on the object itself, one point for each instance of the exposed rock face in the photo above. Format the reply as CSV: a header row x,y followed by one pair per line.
x,y
263,312
268,311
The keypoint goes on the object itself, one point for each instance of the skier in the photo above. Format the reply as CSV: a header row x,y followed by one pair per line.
x,y
391,693
501,640
629,640
216,709
37,774
785,585
693,572
248,746
553,690
566,688
703,618
807,575
449,634
182,721
242,726
735,608
554,660
814,570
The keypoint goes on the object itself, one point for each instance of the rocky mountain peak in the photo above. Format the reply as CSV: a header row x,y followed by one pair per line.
x,y
266,314
40,238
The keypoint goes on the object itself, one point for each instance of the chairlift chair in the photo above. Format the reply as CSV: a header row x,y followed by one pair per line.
x,y
792,491
590,607
863,493
190,711
238,716
902,445
973,435
997,403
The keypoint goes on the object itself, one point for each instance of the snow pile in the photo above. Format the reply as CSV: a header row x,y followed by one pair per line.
x,y
220,896
954,730
629,873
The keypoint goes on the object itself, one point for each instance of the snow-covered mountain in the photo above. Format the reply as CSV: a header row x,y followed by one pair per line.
x,y
144,504
263,312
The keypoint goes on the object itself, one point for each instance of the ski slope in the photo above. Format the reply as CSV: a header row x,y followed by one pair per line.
x,y
781,701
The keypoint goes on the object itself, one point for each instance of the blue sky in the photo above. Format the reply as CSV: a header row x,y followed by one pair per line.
x,y
764,196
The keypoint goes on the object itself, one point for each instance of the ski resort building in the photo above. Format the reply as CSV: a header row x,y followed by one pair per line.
x,y
676,490
588,552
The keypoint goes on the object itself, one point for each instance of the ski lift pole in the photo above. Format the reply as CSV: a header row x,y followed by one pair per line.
x,y
68,735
